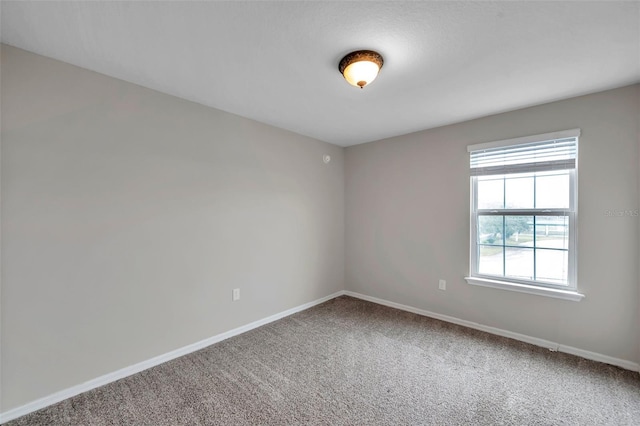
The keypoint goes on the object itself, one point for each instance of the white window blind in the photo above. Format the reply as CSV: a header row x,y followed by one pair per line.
x,y
551,151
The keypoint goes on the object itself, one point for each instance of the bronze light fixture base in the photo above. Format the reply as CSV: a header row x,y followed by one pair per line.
x,y
360,56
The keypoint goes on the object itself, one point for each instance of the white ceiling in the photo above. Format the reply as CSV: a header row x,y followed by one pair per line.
x,y
277,62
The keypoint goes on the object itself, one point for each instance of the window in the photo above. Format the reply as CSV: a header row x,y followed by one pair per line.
x,y
523,214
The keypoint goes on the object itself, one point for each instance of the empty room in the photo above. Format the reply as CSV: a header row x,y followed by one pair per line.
x,y
322,213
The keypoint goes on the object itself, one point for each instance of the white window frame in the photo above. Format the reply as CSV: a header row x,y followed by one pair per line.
x,y
537,287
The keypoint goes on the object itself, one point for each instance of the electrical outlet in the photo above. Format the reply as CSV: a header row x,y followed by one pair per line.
x,y
442,285
235,296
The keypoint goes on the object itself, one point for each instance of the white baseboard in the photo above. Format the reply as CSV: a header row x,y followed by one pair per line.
x,y
144,365
628,365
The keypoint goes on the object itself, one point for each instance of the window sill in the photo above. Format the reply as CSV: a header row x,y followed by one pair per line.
x,y
523,288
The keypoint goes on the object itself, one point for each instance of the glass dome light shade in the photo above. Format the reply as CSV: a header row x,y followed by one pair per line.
x,y
361,73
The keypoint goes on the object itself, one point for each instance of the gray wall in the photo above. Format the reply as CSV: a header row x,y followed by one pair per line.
x,y
407,224
128,216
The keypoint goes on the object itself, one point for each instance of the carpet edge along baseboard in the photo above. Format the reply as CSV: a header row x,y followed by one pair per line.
x,y
152,362
72,391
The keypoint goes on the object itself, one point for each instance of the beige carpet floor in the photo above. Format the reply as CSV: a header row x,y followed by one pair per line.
x,y
351,362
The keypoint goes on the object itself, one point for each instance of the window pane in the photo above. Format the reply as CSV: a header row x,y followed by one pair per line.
x,y
519,230
552,190
519,192
490,229
490,260
552,232
490,193
519,263
534,246
552,265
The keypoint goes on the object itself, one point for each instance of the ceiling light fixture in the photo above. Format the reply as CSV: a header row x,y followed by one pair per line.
x,y
361,67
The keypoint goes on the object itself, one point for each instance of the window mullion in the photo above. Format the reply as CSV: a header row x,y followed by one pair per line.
x,y
535,205
524,212
535,264
504,248
504,241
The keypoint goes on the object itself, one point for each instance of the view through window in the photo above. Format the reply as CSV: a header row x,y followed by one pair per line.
x,y
525,245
